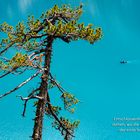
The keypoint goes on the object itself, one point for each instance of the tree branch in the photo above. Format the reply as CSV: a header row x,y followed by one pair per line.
x,y
60,123
44,23
36,52
14,70
65,39
19,71
8,46
20,85
5,74
56,118
26,99
61,89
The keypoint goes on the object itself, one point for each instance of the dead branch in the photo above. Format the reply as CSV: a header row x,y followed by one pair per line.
x,y
8,46
15,71
30,97
12,71
18,72
36,52
61,89
22,84
5,74
26,99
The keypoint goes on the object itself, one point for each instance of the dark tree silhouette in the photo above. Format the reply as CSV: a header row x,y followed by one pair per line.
x,y
35,40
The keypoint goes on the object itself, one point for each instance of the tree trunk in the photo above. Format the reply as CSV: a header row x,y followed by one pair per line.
x,y
38,122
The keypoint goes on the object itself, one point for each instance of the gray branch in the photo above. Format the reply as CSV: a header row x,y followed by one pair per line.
x,y
26,99
22,84
61,89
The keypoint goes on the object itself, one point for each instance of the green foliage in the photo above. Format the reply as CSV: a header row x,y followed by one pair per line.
x,y
69,101
6,28
60,22
2,65
66,11
66,126
19,60
66,123
55,109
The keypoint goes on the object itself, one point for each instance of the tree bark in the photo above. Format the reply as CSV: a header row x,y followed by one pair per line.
x,y
40,110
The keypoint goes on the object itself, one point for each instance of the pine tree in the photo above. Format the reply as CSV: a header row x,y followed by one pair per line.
x,y
34,41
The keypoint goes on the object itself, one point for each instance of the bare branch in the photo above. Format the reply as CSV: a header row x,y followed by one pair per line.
x,y
36,52
61,89
10,71
5,74
26,99
30,96
8,46
22,84
19,72
14,71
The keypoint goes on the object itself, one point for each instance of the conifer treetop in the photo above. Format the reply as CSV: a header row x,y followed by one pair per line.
x,y
33,44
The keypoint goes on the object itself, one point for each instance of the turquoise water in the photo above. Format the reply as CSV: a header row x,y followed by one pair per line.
x,y
106,88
